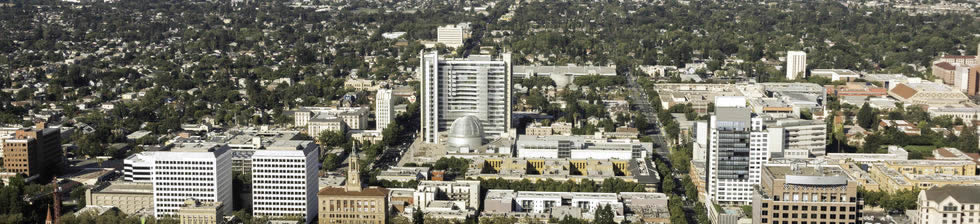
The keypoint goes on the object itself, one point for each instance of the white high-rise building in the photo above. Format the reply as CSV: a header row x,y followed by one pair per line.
x,y
737,150
284,180
453,35
455,87
795,64
199,170
383,112
138,168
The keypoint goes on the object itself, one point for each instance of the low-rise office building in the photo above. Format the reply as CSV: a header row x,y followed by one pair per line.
x,y
581,147
318,119
562,75
404,174
639,207
894,153
453,35
898,177
845,75
467,191
201,212
934,167
129,197
966,113
856,89
927,93
636,170
537,129
797,138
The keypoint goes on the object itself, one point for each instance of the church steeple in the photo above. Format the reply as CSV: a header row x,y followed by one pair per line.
x,y
353,171
49,220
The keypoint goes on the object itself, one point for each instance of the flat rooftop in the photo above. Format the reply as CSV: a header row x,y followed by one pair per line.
x,y
809,175
122,187
920,162
568,69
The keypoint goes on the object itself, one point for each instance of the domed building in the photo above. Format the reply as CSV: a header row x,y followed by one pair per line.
x,y
466,132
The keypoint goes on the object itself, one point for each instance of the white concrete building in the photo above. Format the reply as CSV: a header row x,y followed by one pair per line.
x,y
581,147
948,204
966,113
284,180
637,207
466,191
405,174
795,65
836,74
384,112
352,117
562,75
796,138
138,168
737,150
895,153
453,35
200,171
456,87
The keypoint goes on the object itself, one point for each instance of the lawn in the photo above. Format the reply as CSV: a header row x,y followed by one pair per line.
x,y
920,151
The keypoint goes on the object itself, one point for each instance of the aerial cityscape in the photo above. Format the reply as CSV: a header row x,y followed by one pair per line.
x,y
490,111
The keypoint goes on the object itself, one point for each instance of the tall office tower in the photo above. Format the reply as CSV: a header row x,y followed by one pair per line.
x,y
455,87
199,171
284,180
453,35
34,151
737,150
795,64
383,112
791,193
973,80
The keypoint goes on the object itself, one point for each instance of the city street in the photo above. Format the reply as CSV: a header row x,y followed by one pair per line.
x,y
642,103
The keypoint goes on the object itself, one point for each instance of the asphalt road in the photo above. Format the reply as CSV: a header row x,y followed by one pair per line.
x,y
642,103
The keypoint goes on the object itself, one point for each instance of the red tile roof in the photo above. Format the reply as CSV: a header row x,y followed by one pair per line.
x,y
959,56
945,66
904,91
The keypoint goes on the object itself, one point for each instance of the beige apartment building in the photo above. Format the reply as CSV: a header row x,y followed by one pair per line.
x,y
805,194
201,212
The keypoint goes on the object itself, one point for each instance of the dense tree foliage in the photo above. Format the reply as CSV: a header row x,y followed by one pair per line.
x,y
897,201
866,117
